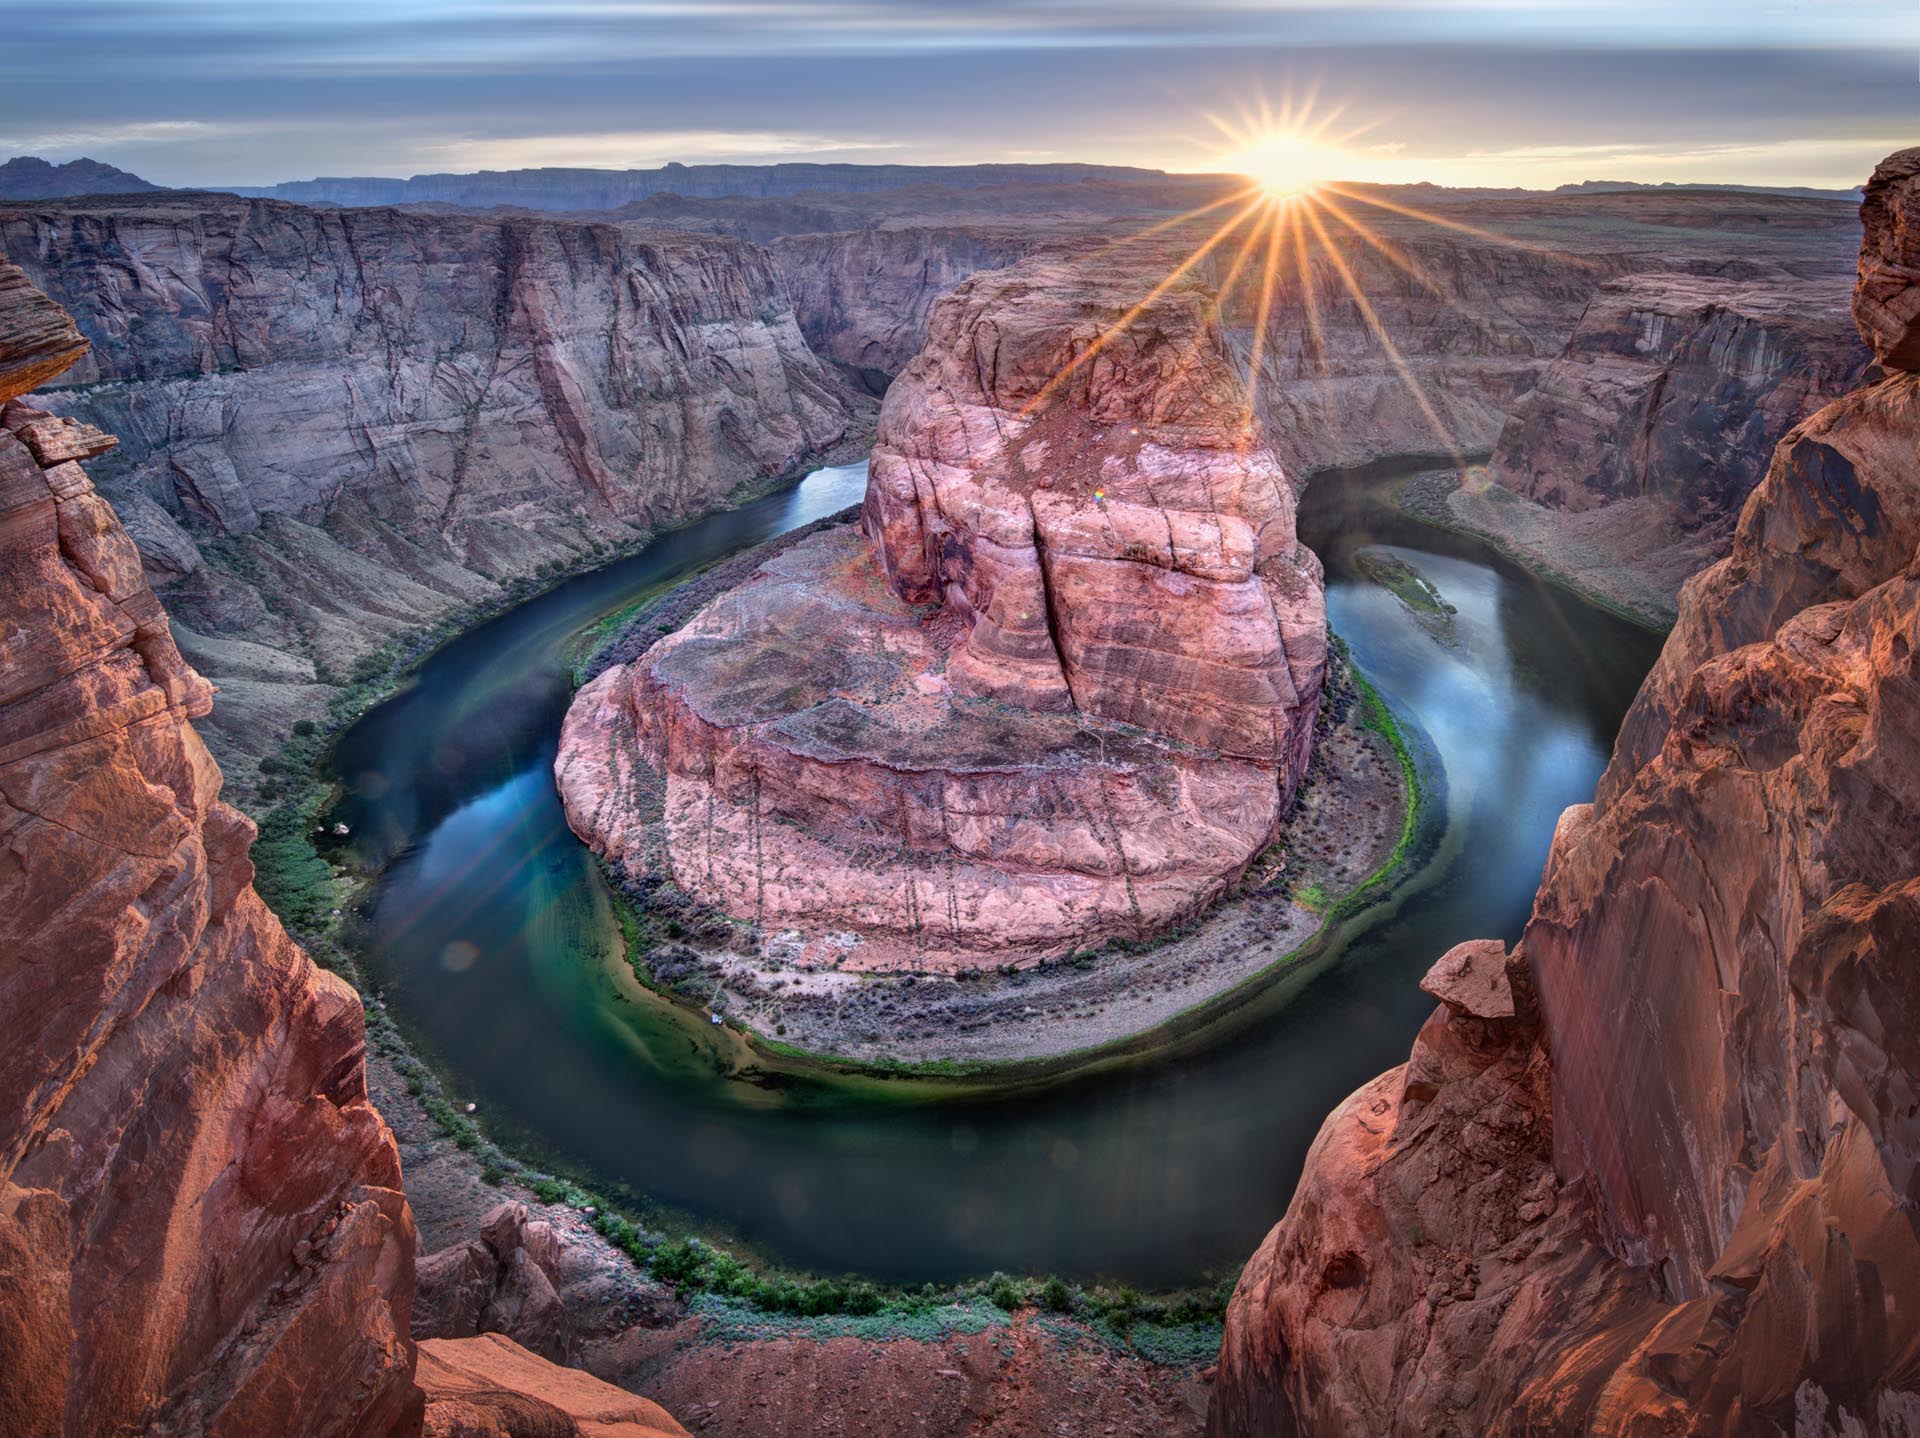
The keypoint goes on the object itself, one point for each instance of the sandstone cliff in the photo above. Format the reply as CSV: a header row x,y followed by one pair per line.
x,y
863,298
1627,462
338,424
201,1225
1062,691
1654,1171
201,1228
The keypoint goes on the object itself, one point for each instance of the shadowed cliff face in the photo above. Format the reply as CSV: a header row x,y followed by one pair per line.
x,y
1654,1171
336,425
1677,387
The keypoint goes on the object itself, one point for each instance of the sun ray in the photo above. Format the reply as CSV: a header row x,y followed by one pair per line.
x,y
1372,319
1316,331
1276,228
1162,226
1490,235
1119,327
1402,261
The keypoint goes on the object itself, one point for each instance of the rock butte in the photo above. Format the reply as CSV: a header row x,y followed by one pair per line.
x,y
1666,1182
1060,689
201,1223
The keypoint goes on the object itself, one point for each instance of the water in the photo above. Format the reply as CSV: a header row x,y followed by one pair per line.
x,y
491,936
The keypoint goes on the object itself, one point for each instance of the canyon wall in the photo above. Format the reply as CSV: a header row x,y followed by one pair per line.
x,y
863,298
1654,1171
202,1229
1060,690
1678,387
201,1224
335,425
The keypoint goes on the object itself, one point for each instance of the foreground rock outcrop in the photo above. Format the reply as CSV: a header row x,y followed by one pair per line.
x,y
202,1230
1654,1170
1060,690
201,1224
338,425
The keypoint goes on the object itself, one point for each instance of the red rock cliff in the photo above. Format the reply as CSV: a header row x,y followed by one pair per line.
x,y
1062,692
201,1227
1655,1170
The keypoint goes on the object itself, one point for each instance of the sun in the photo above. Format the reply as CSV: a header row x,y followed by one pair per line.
x,y
1285,163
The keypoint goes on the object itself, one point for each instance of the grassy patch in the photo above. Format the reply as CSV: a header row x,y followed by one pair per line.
x,y
1404,582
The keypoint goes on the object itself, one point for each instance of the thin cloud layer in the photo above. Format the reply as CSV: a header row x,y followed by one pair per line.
x,y
1485,93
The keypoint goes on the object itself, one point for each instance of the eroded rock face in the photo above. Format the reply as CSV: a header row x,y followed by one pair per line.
x,y
338,425
490,1387
1060,690
1887,301
1676,388
505,1281
863,297
1675,1191
201,1224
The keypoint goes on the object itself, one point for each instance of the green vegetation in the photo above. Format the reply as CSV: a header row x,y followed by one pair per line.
x,y
1407,584
1376,716
1313,897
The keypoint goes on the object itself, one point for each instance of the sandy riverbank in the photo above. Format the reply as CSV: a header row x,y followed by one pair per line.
x,y
1623,558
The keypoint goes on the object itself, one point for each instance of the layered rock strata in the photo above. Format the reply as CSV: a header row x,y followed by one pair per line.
x,y
202,1230
1060,689
201,1224
337,425
1654,1170
1625,466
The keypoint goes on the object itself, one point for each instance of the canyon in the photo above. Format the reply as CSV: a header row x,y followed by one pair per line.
x,y
1059,689
1058,686
340,426
336,427
202,1228
1651,1170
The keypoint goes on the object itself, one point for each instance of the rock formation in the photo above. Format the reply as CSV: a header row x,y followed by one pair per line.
x,y
337,425
201,1223
490,1387
28,177
863,298
1627,462
1061,690
505,1281
201,1227
1654,1170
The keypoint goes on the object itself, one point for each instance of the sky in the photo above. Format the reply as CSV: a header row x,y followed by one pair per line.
x,y
199,92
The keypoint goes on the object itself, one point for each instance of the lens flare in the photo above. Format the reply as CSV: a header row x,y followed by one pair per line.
x,y
1285,163
1295,229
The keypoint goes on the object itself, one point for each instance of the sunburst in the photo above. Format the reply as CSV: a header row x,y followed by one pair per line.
x,y
1297,169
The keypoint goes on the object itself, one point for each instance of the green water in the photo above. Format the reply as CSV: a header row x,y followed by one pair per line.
x,y
491,937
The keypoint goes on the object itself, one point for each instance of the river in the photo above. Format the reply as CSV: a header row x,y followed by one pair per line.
x,y
490,933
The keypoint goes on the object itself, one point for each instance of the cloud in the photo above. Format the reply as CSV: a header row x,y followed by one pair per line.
x,y
138,132
636,149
